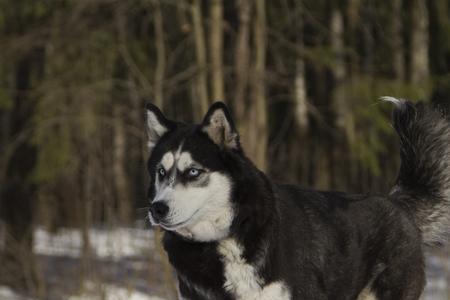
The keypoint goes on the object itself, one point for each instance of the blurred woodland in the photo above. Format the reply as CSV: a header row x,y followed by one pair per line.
x,y
302,78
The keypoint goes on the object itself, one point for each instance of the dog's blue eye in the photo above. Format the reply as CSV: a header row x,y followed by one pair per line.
x,y
193,172
161,172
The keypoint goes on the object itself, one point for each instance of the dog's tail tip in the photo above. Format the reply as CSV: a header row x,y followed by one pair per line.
x,y
398,102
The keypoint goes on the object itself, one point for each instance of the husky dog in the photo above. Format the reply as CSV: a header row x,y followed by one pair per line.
x,y
231,233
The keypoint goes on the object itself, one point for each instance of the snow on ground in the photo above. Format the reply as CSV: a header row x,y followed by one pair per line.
x,y
122,259
130,242
438,273
8,294
94,291
123,262
105,243
91,292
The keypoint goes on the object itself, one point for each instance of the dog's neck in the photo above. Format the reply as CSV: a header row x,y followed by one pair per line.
x,y
250,233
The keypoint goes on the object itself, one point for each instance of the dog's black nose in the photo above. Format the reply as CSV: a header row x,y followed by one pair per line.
x,y
159,210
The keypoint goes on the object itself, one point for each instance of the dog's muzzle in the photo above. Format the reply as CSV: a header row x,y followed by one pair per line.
x,y
159,211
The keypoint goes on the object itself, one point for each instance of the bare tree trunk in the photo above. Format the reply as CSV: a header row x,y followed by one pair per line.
x,y
242,62
87,179
299,149
339,103
216,49
183,16
17,194
298,143
439,11
201,82
119,173
321,168
301,104
397,41
160,54
352,12
257,137
368,42
419,67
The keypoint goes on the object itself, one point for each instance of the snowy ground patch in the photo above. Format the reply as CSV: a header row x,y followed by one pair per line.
x,y
126,265
438,272
105,243
8,294
93,291
122,263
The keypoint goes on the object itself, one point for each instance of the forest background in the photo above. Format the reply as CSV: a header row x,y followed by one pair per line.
x,y
303,79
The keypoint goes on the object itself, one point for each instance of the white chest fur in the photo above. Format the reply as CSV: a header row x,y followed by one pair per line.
x,y
242,279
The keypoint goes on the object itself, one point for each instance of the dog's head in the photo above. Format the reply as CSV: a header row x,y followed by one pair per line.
x,y
190,182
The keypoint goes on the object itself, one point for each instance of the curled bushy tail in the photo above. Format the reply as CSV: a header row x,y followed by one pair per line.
x,y
423,183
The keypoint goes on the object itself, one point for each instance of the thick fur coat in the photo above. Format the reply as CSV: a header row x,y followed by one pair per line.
x,y
231,233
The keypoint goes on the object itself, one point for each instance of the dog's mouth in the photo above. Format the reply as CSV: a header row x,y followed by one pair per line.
x,y
173,227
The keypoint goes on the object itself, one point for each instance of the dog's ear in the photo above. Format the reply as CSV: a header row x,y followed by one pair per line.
x,y
219,126
157,124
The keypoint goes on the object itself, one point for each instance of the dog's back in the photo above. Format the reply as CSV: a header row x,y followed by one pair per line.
x,y
344,243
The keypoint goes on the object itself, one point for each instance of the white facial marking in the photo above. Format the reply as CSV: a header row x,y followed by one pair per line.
x,y
184,161
167,161
178,153
242,279
200,210
207,208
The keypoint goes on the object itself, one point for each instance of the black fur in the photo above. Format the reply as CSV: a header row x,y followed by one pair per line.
x,y
322,245
423,184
